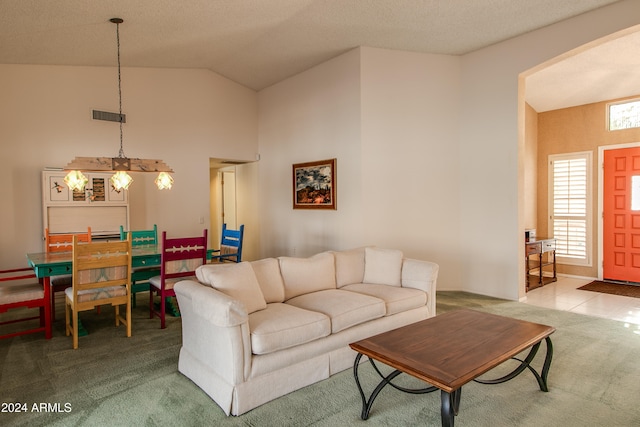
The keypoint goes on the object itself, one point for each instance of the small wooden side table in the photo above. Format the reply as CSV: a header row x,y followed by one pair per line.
x,y
540,247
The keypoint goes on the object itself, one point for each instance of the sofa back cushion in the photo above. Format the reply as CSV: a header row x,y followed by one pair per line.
x,y
269,278
382,266
306,275
349,266
236,280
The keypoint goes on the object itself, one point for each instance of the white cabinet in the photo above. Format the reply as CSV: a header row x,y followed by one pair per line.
x,y
97,190
99,206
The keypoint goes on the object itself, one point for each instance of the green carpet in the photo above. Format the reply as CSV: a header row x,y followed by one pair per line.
x,y
119,381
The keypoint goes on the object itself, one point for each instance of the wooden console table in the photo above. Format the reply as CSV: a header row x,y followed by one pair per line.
x,y
536,259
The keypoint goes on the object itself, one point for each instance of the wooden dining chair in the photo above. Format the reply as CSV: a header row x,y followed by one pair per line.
x,y
19,289
101,275
230,245
61,242
140,275
141,237
180,258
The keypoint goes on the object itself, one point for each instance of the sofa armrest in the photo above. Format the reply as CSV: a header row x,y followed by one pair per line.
x,y
215,330
421,275
214,306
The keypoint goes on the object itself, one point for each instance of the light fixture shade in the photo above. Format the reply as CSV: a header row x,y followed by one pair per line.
x,y
164,181
76,180
121,180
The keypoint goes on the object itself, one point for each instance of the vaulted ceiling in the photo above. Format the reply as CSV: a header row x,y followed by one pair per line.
x,y
260,42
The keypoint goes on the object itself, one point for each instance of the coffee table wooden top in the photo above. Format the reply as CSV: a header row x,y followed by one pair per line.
x,y
453,348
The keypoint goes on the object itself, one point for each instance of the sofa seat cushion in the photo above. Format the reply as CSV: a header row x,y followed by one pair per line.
x,y
281,326
396,299
344,308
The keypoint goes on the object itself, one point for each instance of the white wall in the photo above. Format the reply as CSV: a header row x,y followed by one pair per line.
x,y
389,118
450,129
180,116
312,116
410,161
249,211
492,145
399,123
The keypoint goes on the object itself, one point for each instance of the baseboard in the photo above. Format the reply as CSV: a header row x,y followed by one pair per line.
x,y
573,276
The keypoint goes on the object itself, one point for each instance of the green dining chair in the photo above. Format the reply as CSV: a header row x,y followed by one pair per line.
x,y
140,275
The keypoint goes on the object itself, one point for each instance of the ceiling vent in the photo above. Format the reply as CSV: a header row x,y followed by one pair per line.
x,y
109,117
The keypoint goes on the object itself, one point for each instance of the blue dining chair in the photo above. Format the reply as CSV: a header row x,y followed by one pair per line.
x,y
230,245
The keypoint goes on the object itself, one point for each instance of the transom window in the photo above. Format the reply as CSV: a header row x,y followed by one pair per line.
x,y
624,115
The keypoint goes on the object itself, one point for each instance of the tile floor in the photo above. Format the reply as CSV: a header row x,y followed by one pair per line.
x,y
564,295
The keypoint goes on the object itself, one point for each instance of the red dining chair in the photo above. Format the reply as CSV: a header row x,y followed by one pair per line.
x,y
180,258
18,290
62,242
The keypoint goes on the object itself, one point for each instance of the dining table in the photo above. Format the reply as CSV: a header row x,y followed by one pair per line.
x,y
49,264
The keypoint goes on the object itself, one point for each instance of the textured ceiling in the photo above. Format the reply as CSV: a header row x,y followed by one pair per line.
x,y
260,42
607,71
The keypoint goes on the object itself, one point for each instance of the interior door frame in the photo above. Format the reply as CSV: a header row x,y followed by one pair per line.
x,y
601,150
229,203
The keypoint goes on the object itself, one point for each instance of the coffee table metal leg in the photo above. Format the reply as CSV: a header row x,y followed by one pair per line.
x,y
450,406
547,364
386,380
526,364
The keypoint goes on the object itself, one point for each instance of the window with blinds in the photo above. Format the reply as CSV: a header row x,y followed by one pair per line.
x,y
570,206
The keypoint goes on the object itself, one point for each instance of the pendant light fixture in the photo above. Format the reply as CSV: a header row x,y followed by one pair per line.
x,y
76,180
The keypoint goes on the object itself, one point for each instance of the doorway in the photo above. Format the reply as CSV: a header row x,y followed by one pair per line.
x,y
620,208
228,189
223,196
546,87
233,199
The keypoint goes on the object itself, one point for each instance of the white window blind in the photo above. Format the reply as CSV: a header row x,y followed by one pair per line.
x,y
570,206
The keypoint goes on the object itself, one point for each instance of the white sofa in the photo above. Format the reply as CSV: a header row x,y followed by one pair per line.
x,y
255,331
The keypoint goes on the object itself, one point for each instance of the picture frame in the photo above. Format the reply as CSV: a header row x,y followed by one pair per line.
x,y
314,185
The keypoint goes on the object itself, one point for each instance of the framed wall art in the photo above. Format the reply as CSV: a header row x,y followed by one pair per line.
x,y
314,185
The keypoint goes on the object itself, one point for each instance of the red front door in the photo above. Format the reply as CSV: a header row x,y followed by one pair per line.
x,y
621,215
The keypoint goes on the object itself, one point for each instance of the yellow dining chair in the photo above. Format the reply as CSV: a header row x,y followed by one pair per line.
x,y
101,275
61,242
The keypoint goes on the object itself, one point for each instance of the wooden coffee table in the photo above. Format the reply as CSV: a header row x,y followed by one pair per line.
x,y
450,350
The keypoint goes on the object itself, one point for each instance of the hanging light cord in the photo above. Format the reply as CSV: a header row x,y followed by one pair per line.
x,y
117,22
